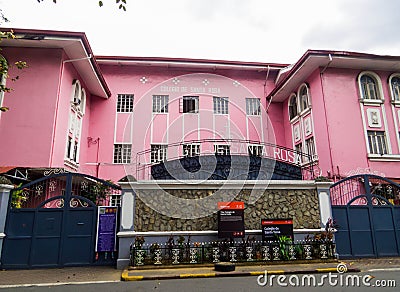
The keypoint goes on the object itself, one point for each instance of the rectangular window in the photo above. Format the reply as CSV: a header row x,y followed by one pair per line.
x,y
115,200
310,148
160,103
377,142
255,150
158,153
190,104
222,150
253,106
69,146
125,103
299,151
220,105
190,150
75,153
122,153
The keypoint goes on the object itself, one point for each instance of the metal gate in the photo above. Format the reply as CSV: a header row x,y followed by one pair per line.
x,y
51,222
367,211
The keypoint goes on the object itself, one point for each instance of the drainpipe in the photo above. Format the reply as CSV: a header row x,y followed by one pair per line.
x,y
324,103
58,102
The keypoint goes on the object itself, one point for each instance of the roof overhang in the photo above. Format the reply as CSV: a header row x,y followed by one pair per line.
x,y
76,47
312,60
180,63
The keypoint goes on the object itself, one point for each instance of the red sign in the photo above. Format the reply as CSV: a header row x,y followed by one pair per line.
x,y
231,205
276,222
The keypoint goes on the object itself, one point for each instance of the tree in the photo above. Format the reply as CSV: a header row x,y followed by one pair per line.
x,y
4,65
121,3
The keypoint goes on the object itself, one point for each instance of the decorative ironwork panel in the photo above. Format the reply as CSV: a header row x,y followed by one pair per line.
x,y
158,257
308,251
139,257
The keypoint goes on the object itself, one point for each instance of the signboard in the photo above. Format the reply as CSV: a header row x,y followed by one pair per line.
x,y
106,229
230,219
272,228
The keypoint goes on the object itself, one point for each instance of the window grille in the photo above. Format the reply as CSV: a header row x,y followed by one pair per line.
x,y
369,88
395,82
220,105
125,103
122,153
160,103
253,106
377,142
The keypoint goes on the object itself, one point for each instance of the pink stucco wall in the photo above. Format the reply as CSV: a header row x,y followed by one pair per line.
x,y
27,128
146,127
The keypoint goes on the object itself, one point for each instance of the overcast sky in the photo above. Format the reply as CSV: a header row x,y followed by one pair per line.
x,y
244,30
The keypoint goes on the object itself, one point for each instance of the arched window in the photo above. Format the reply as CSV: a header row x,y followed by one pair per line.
x,y
293,106
76,113
83,101
304,98
395,87
369,87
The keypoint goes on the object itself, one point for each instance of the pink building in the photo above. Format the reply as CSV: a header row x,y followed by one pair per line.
x,y
116,116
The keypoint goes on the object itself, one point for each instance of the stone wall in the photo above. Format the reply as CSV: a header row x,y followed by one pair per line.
x,y
301,205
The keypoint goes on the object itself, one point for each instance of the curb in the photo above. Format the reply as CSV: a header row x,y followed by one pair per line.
x,y
126,277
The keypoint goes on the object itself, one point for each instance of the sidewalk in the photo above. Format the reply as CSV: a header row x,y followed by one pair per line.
x,y
59,276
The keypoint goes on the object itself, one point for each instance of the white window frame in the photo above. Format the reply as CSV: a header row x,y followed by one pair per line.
x,y
76,114
190,98
221,105
222,149
303,98
310,148
115,200
253,106
394,91
377,144
158,153
125,103
256,150
160,103
293,97
378,88
299,148
124,154
191,150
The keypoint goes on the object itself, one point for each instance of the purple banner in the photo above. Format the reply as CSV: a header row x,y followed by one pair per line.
x,y
106,229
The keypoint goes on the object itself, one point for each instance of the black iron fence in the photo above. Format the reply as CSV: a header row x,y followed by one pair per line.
x,y
214,252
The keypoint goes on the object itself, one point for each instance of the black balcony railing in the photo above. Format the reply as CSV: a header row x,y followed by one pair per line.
x,y
265,161
214,252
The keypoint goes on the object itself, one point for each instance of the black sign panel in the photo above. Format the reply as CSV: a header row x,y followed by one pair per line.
x,y
230,219
273,228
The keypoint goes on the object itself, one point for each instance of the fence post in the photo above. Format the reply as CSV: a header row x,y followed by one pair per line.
x,y
125,235
4,197
324,201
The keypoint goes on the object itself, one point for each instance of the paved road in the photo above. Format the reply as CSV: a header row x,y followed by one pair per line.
x,y
387,277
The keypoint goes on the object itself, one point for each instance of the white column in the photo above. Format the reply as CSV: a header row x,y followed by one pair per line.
x,y
4,197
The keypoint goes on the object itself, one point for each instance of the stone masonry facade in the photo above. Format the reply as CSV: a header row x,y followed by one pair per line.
x,y
301,205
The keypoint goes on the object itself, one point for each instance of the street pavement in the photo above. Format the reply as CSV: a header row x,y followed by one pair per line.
x,y
104,274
